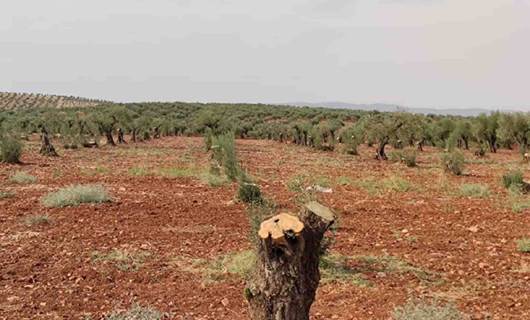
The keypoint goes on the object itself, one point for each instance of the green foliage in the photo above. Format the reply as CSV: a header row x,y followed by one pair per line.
x,y
249,192
22,177
224,152
513,180
75,195
418,310
453,162
474,190
10,149
407,156
523,245
137,313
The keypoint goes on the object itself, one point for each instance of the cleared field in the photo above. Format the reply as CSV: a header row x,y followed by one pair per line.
x,y
172,240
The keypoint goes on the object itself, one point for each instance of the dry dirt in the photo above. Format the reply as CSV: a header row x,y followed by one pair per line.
x,y
467,245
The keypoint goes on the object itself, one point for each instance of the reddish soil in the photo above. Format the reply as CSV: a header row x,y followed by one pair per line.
x,y
47,271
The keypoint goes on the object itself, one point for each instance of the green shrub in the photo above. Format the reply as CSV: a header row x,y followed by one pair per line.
x,y
249,192
75,195
474,190
417,310
523,245
224,151
453,162
10,149
22,177
513,180
407,156
137,313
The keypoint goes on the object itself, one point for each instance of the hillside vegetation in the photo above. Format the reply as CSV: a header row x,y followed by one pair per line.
x,y
12,100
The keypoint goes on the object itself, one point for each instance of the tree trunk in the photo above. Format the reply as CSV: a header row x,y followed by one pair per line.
x,y
287,271
47,148
121,139
381,155
110,139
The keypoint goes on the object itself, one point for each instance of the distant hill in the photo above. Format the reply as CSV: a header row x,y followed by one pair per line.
x,y
393,108
12,100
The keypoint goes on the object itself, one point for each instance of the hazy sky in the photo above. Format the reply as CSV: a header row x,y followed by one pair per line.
x,y
423,53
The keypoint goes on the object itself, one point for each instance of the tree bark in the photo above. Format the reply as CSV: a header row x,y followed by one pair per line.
x,y
121,139
287,271
47,148
110,139
381,155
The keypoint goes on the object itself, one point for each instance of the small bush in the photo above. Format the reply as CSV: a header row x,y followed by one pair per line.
x,y
523,245
453,162
407,156
76,195
224,151
22,177
10,150
36,220
417,310
474,190
513,180
249,192
137,313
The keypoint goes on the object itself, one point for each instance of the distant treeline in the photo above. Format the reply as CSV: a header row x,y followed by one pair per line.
x,y
320,128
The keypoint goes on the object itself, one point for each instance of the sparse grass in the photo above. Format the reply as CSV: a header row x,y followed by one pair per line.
x,y
335,268
178,172
137,312
396,184
124,260
6,195
420,310
93,171
519,205
344,181
523,245
22,177
513,180
214,180
138,171
407,156
38,219
239,263
390,264
75,195
390,184
296,183
249,192
474,190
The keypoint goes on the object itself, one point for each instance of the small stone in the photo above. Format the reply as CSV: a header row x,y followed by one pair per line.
x,y
225,302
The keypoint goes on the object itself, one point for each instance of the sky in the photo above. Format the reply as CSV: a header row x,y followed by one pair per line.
x,y
416,53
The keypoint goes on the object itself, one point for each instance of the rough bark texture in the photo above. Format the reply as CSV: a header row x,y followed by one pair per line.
x,y
287,271
47,148
121,139
380,154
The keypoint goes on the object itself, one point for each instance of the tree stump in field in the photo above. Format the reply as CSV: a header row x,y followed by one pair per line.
x,y
46,147
287,270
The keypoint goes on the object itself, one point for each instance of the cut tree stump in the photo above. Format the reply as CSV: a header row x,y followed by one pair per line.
x,y
287,270
46,148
